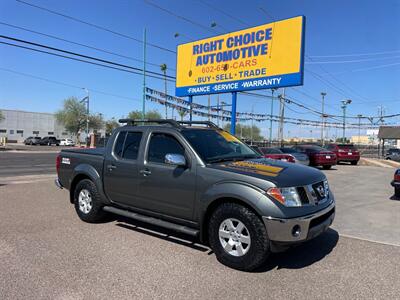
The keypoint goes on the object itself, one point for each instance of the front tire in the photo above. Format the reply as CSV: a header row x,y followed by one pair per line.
x,y
354,162
238,237
87,202
326,167
397,192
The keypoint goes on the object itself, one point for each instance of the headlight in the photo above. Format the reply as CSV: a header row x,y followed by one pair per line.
x,y
286,196
326,186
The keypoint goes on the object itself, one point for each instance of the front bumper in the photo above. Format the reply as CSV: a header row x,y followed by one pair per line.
x,y
58,183
299,229
395,184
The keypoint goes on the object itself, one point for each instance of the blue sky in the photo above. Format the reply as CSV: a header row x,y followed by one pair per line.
x,y
357,41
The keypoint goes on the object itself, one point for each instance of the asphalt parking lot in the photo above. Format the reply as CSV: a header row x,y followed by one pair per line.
x,y
47,252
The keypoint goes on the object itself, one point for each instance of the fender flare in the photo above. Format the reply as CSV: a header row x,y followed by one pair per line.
x,y
242,192
89,171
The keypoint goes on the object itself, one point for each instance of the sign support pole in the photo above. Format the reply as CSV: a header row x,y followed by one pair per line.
x,y
190,108
233,114
144,75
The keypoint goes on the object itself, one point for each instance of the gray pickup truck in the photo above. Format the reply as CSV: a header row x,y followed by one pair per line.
x,y
197,179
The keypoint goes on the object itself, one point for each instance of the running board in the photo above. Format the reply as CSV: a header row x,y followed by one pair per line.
x,y
151,220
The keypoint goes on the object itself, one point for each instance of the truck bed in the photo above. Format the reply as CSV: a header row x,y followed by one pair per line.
x,y
92,151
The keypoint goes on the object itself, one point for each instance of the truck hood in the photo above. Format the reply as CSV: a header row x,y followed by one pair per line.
x,y
282,174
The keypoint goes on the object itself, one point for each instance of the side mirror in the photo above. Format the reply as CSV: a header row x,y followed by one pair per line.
x,y
175,159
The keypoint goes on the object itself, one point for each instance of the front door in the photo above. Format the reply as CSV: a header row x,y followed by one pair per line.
x,y
165,188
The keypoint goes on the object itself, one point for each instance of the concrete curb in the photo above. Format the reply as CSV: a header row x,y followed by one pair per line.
x,y
377,163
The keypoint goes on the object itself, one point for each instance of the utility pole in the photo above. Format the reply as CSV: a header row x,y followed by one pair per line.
x,y
345,103
252,124
218,110
144,76
281,116
359,127
86,100
272,111
323,119
209,107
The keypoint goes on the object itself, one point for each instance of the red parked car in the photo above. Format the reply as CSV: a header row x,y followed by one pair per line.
x,y
275,153
345,152
318,156
396,183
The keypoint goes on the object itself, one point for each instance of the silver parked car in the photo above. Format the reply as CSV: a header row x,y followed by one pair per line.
x,y
299,157
393,154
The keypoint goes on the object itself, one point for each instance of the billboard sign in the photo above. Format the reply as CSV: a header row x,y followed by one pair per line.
x,y
261,57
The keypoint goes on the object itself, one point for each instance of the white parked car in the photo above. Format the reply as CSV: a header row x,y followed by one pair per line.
x,y
67,142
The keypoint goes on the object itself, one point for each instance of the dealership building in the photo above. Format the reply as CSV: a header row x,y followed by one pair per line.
x,y
17,125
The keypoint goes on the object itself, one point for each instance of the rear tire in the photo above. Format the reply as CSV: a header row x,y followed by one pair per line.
x,y
87,202
354,162
246,241
397,192
326,167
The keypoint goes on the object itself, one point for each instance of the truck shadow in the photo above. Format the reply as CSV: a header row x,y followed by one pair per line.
x,y
303,255
161,233
298,257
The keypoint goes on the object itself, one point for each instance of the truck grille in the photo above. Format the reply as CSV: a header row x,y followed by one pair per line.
x,y
303,195
320,191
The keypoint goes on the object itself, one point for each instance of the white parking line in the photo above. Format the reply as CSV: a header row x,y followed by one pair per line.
x,y
368,240
26,179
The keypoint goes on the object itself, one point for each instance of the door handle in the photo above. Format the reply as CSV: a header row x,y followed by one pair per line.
x,y
145,172
111,167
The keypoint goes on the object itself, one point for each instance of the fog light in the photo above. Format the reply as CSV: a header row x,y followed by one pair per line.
x,y
296,230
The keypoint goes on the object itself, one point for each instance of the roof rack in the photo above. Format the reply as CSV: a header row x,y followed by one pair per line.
x,y
133,122
208,123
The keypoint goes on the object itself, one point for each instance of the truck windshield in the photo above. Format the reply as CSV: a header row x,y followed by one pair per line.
x,y
217,145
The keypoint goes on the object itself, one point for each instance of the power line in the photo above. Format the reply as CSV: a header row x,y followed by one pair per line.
x,y
95,26
178,16
355,54
350,61
79,44
367,69
77,59
84,56
66,84
224,13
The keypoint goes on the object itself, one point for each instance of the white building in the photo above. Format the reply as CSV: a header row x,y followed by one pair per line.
x,y
17,125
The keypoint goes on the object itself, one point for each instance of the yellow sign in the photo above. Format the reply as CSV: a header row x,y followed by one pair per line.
x,y
261,57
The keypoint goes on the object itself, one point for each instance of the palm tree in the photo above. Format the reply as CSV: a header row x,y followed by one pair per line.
x,y
182,113
164,70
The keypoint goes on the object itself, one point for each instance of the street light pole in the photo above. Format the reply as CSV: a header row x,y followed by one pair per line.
x,y
252,124
281,116
144,75
345,103
272,111
323,119
359,127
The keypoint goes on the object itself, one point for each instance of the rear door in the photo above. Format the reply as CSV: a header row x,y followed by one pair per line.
x,y
121,168
165,188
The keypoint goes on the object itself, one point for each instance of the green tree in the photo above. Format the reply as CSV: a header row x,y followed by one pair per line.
x,y
244,131
1,116
96,122
151,114
73,117
111,125
182,114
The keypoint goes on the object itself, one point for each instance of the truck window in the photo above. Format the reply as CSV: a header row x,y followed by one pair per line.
x,y
131,146
162,144
119,144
